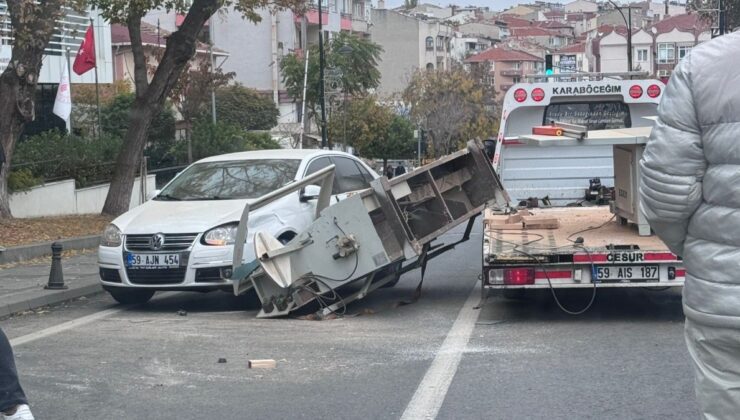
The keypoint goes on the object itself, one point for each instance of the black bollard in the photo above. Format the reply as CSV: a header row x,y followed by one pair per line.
x,y
56,277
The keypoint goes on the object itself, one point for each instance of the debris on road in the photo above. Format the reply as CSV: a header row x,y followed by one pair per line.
x,y
222,360
262,364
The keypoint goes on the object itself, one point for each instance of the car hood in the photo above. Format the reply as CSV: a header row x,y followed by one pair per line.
x,y
182,216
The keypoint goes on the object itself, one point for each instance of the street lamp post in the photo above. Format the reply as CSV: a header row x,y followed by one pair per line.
x,y
322,99
628,22
346,50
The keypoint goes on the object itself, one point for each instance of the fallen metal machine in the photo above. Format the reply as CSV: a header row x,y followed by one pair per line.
x,y
369,239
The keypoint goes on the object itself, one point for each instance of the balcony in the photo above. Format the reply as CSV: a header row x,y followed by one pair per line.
x,y
511,72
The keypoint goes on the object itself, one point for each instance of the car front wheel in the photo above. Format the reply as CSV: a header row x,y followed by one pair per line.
x,y
131,296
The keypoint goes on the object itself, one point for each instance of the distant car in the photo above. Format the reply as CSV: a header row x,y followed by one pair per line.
x,y
182,239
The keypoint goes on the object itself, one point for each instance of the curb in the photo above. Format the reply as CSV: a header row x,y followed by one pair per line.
x,y
50,299
27,252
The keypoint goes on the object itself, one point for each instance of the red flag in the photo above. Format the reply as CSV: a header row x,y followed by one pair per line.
x,y
85,60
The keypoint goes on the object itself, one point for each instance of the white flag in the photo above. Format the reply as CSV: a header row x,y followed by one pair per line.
x,y
63,102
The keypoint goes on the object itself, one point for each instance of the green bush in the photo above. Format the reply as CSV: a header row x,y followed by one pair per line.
x,y
246,108
53,155
161,140
209,139
22,180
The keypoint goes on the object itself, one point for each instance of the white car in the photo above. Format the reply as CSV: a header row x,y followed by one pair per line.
x,y
182,239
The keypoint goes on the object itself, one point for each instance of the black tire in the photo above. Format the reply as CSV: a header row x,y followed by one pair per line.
x,y
130,296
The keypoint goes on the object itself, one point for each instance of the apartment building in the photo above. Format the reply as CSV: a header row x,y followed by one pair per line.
x,y
656,49
571,59
255,49
70,32
507,66
409,43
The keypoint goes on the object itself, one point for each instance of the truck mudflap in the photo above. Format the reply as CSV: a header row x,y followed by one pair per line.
x,y
361,243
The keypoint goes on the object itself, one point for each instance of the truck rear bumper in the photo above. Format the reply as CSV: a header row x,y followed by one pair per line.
x,y
671,283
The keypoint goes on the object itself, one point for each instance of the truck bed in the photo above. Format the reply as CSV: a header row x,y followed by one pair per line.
x,y
606,232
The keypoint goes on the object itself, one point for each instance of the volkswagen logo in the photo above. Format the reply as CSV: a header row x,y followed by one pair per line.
x,y
157,242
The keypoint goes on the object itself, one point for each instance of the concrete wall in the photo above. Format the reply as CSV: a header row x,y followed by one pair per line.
x,y
250,45
399,37
61,198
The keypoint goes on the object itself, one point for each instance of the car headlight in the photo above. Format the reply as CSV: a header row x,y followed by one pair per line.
x,y
221,235
111,236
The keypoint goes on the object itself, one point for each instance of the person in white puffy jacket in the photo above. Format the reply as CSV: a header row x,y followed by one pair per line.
x,y
690,188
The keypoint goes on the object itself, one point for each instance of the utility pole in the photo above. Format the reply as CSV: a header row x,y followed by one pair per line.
x,y
722,18
322,100
211,34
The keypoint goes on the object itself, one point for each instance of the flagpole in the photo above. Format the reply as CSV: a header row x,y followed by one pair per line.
x,y
69,82
97,87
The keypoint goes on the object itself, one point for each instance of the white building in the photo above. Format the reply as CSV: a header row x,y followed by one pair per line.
x,y
580,6
656,50
70,32
463,46
571,59
255,49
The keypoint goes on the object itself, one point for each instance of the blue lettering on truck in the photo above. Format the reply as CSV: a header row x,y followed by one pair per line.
x,y
587,90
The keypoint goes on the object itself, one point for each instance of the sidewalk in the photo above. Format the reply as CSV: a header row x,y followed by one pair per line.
x,y
22,286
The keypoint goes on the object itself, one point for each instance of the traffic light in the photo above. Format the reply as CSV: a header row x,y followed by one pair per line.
x,y
548,64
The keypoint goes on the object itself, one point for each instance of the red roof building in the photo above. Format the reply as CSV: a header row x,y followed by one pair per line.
x,y
507,66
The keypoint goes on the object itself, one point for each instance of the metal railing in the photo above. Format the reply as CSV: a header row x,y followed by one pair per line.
x,y
325,175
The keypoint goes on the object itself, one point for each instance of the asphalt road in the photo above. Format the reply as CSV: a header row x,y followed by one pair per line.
x,y
624,359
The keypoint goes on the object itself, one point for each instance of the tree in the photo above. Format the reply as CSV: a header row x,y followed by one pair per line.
x,y
151,94
373,130
707,8
193,92
246,108
451,107
352,73
33,24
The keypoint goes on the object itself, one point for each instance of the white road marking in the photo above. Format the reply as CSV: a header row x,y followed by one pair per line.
x,y
78,322
430,394
46,332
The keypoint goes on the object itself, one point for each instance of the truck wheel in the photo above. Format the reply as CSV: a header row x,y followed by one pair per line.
x,y
130,296
515,294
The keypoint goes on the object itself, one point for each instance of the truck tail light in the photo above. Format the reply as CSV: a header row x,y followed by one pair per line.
x,y
653,91
538,94
520,95
635,92
519,276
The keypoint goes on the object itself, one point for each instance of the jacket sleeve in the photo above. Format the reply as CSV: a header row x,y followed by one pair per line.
x,y
673,164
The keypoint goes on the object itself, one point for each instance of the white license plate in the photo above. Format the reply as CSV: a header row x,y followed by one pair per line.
x,y
627,273
153,260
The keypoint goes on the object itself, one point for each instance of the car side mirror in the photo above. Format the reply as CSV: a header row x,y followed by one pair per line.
x,y
152,194
311,192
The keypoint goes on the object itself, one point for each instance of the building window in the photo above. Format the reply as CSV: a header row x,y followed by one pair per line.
x,y
430,66
440,43
642,54
664,74
517,65
666,53
430,43
516,80
683,51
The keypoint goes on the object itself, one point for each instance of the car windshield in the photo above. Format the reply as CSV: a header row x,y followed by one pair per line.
x,y
230,180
